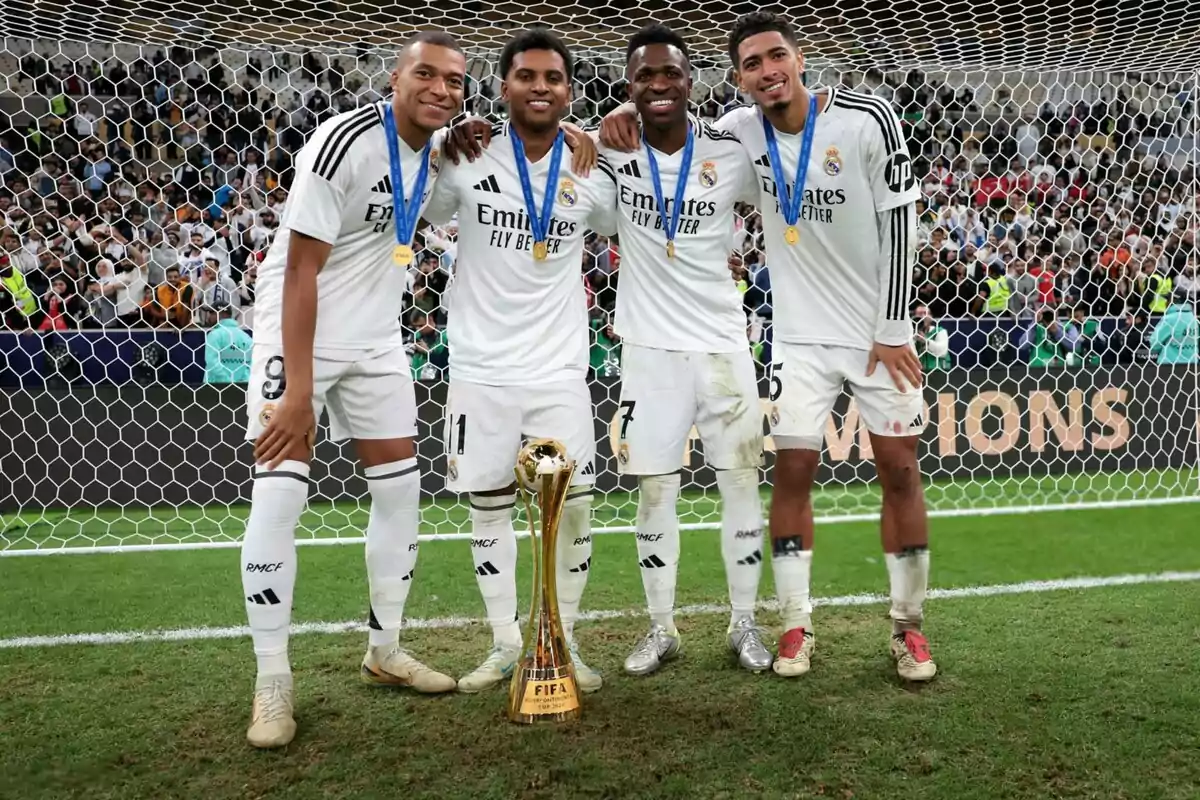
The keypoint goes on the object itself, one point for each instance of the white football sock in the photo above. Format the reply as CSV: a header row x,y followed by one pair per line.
x,y
277,500
494,549
574,556
741,538
908,574
391,545
658,545
792,566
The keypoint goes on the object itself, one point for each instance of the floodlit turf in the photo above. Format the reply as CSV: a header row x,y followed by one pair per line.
x,y
139,526
1079,694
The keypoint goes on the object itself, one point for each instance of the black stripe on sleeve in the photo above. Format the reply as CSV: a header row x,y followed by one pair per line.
x,y
899,276
605,167
880,111
334,149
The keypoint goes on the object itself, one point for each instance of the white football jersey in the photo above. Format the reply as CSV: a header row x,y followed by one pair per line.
x,y
512,320
689,302
848,280
342,194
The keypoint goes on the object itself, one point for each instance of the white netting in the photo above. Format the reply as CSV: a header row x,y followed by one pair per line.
x,y
1056,142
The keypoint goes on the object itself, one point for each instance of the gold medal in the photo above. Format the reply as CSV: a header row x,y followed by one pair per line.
x,y
402,254
539,251
791,235
670,249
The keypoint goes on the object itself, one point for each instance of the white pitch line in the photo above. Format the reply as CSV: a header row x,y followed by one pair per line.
x,y
357,626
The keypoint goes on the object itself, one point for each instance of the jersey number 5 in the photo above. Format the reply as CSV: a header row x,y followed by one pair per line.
x,y
776,383
276,382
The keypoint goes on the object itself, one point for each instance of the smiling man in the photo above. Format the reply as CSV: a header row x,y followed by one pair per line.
x,y
327,332
837,198
518,333
685,358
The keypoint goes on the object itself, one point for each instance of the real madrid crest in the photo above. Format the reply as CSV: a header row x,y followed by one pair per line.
x,y
774,415
452,470
264,416
623,454
434,164
708,174
833,162
566,192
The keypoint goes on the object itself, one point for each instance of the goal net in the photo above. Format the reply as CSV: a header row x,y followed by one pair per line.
x,y
1055,288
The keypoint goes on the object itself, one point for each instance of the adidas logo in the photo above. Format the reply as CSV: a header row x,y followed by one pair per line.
x,y
751,559
918,422
488,184
408,577
584,567
486,568
384,186
373,623
651,562
763,161
266,598
631,169
588,469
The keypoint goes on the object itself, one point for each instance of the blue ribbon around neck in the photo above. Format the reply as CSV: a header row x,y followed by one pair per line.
x,y
405,214
671,218
538,224
791,200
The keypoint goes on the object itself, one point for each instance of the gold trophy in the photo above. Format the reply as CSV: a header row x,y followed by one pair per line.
x,y
543,685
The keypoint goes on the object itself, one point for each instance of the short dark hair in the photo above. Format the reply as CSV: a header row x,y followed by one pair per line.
x,y
535,39
755,23
656,33
438,38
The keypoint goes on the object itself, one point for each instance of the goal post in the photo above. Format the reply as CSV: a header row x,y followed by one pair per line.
x,y
1055,145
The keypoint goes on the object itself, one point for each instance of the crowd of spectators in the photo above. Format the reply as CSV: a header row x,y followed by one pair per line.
x,y
151,189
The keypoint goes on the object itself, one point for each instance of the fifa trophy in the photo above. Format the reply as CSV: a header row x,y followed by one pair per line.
x,y
543,685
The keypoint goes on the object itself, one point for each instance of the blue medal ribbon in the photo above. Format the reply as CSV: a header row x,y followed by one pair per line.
x,y
404,214
791,200
671,219
538,224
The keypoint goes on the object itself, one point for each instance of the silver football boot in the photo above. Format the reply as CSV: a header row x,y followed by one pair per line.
x,y
745,640
657,646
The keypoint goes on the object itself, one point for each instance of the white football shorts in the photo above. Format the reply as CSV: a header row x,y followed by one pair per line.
x,y
805,381
486,426
369,398
665,393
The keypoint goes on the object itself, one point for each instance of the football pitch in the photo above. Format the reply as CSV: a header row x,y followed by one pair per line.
x,y
1068,642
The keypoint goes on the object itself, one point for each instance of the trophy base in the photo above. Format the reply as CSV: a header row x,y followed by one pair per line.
x,y
543,694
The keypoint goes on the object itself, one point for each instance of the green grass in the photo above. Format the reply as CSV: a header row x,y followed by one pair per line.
x,y
139,526
1066,694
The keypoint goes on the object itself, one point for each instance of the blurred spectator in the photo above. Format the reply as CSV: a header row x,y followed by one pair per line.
x,y
997,289
1177,334
227,350
215,291
176,297
62,309
1045,341
18,303
1082,337
429,351
605,358
932,341
1024,297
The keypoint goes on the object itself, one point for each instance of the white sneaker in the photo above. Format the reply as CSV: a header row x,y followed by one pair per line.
x,y
795,653
913,659
391,665
497,667
588,679
271,722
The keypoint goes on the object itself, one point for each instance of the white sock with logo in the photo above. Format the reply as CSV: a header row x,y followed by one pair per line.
x,y
741,538
574,556
277,500
391,545
792,566
494,550
908,575
658,545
